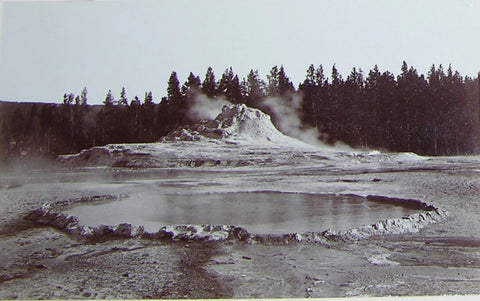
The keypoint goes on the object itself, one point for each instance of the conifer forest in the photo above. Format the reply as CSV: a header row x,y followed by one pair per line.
x,y
433,114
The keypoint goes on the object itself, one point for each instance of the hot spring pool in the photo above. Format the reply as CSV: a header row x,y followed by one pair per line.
x,y
258,212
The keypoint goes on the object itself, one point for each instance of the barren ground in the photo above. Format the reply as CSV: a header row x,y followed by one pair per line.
x,y
443,258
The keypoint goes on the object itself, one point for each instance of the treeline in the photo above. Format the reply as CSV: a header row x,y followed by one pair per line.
x,y
433,115
436,114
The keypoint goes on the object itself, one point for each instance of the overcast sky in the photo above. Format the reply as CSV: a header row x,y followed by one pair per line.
x,y
50,47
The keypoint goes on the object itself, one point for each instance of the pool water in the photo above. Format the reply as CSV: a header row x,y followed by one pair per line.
x,y
258,212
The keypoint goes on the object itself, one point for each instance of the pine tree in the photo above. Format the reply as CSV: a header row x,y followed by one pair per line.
x,y
388,111
278,82
335,89
123,100
135,101
209,86
320,96
255,89
372,95
134,117
404,68
234,93
309,96
311,79
284,84
83,96
68,99
67,120
225,81
337,80
320,79
434,87
147,118
273,84
353,114
229,86
173,89
192,86
334,124
109,100
148,99
356,78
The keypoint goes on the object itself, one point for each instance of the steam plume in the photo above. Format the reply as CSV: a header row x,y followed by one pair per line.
x,y
285,111
287,115
206,108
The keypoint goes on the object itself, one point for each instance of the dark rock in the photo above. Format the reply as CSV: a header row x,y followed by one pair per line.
x,y
75,230
124,229
192,229
217,228
407,203
140,231
35,214
63,220
163,234
47,218
103,230
148,235
240,233
259,239
122,163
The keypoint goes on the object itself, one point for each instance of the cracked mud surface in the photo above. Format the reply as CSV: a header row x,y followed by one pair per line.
x,y
443,258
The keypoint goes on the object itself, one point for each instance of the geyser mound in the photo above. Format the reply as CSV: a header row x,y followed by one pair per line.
x,y
238,136
235,124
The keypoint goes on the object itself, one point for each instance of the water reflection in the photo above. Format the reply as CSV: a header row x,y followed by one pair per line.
x,y
259,212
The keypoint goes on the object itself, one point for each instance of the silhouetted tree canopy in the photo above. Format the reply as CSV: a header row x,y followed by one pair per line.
x,y
433,114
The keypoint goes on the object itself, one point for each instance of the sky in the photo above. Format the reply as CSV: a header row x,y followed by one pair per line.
x,y
49,48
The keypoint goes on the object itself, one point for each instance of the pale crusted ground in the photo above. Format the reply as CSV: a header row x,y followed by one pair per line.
x,y
444,258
